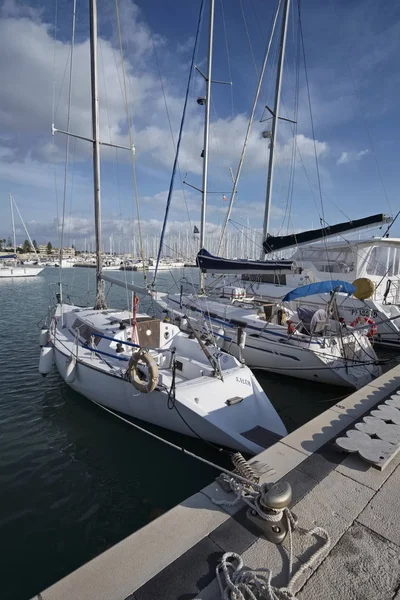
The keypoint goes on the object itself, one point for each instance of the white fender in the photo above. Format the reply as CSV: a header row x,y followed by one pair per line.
x,y
43,336
184,325
70,375
219,337
46,360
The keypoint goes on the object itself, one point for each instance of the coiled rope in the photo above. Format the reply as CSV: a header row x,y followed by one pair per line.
x,y
237,582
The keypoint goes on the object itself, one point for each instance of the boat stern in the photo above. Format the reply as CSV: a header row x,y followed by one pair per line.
x,y
237,408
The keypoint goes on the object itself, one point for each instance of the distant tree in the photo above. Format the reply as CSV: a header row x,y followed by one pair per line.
x,y
26,247
9,242
3,241
49,247
34,244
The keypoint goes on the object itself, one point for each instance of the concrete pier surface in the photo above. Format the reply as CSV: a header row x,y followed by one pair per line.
x,y
175,556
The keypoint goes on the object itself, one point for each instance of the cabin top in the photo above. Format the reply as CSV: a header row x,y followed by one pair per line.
x,y
373,257
345,243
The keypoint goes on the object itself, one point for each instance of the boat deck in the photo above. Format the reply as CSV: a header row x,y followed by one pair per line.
x,y
175,556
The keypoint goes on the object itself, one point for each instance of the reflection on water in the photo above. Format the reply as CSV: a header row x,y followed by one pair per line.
x,y
73,479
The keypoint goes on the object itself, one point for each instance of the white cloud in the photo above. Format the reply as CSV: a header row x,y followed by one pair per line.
x,y
187,46
348,157
27,150
305,147
11,8
26,99
27,79
31,172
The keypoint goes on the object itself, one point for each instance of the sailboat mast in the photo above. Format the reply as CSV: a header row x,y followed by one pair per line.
x,y
275,119
13,225
206,132
100,302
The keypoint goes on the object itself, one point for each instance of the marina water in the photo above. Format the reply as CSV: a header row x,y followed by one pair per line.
x,y
73,479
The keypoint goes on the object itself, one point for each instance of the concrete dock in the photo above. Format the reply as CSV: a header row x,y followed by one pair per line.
x,y
175,556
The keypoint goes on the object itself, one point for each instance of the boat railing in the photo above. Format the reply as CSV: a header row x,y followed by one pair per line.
x,y
394,292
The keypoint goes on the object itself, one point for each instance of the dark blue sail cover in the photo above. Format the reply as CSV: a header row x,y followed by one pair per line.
x,y
215,264
5,256
275,243
321,287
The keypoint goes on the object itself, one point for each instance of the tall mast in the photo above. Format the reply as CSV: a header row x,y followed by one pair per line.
x,y
275,119
206,133
13,225
100,301
249,125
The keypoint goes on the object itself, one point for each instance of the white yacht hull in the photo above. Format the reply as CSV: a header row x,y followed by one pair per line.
x,y
386,316
163,267
201,402
121,396
289,361
20,271
66,264
270,349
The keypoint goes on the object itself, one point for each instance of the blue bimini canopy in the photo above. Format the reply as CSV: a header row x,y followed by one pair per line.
x,y
216,264
321,287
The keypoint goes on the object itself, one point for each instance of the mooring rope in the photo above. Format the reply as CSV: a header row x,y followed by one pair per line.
x,y
237,582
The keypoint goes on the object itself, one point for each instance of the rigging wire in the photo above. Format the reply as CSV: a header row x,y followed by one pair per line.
x,y
386,234
312,184
115,164
357,95
289,198
136,193
132,95
311,113
171,187
248,38
249,125
227,54
53,108
295,118
67,145
170,124
322,217
241,231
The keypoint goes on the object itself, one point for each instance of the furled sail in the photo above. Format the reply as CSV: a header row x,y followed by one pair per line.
x,y
275,243
216,264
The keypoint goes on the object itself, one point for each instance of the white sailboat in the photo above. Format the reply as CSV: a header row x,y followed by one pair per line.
x,y
372,263
10,266
66,263
273,337
150,370
329,354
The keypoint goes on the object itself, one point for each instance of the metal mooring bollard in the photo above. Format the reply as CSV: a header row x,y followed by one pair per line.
x,y
273,521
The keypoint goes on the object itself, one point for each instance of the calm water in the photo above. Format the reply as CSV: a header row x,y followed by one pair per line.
x,y
74,480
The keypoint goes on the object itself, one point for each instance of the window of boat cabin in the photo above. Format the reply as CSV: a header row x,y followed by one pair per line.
x,y
328,260
383,260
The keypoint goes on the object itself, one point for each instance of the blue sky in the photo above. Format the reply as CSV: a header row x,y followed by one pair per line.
x,y
350,45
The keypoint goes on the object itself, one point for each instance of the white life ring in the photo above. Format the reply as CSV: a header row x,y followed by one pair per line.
x,y
144,386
